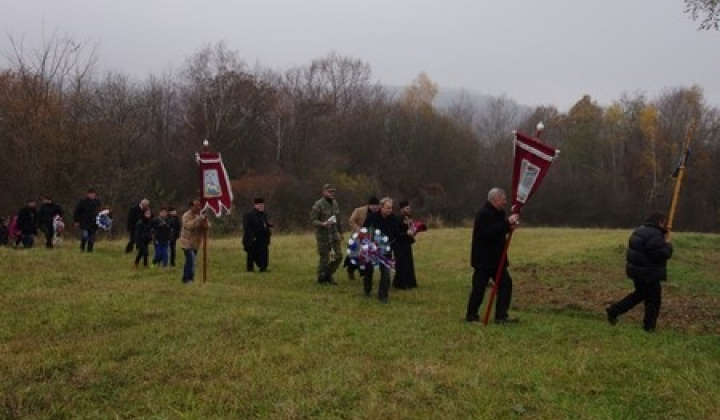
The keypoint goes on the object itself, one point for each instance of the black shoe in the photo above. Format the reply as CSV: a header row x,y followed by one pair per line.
x,y
322,280
475,319
330,280
507,320
611,318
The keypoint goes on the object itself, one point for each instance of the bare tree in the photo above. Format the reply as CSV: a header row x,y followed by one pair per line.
x,y
707,11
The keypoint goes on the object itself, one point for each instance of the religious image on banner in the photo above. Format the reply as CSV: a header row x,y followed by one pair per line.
x,y
531,164
528,176
211,184
217,193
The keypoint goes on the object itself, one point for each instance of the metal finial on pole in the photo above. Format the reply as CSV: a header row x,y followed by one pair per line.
x,y
539,127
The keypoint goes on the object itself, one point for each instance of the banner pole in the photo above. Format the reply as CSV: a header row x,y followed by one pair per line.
x,y
206,149
498,277
204,251
680,176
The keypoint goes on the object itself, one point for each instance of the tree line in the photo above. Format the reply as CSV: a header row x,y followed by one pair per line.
x,y
64,128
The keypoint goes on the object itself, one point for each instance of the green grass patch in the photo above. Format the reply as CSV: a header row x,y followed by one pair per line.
x,y
85,336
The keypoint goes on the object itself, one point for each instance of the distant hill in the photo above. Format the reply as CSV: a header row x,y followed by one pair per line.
x,y
447,97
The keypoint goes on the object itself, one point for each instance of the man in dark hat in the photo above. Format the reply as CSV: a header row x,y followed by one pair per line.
x,y
46,216
85,216
27,223
404,262
325,218
357,219
256,236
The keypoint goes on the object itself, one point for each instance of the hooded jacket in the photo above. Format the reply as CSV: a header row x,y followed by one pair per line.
x,y
648,253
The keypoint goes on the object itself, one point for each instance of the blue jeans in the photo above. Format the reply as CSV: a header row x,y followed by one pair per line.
x,y
189,268
161,253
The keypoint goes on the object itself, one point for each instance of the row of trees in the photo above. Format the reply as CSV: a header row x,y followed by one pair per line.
x,y
64,128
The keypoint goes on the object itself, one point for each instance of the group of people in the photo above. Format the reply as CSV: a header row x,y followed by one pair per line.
x,y
377,214
47,218
649,247
162,231
20,230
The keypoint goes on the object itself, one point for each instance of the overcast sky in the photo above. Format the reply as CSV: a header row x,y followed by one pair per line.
x,y
537,52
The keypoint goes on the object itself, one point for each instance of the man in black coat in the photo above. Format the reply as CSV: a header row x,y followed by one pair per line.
x,y
488,242
391,226
649,248
27,223
134,215
46,216
85,217
256,236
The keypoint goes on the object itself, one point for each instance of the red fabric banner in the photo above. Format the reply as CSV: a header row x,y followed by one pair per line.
x,y
216,193
531,163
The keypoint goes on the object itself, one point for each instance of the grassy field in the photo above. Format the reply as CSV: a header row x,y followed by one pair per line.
x,y
84,336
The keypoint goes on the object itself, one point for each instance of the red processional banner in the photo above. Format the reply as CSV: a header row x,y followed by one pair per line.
x,y
216,192
531,163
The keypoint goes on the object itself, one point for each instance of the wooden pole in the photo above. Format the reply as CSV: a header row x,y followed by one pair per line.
x,y
206,148
680,176
204,252
498,277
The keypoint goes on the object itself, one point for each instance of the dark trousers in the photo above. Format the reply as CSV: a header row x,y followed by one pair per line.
x,y
28,240
648,292
87,241
383,287
257,254
173,252
49,232
131,243
142,253
480,279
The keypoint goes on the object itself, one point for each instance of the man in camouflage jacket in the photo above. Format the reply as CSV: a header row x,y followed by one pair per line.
x,y
325,218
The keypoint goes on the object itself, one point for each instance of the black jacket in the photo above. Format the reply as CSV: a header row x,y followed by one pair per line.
x,y
488,238
648,253
175,227
391,226
134,214
46,214
27,220
162,230
85,213
143,231
256,229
